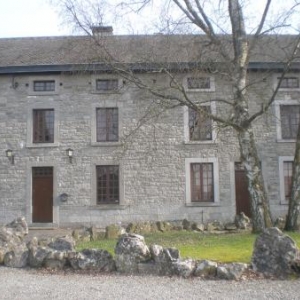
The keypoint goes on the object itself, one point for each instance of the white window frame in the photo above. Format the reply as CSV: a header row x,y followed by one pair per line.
x,y
106,104
32,79
278,75
188,162
278,118
186,135
31,108
281,161
212,83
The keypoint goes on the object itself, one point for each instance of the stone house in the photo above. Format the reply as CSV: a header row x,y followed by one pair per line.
x,y
75,149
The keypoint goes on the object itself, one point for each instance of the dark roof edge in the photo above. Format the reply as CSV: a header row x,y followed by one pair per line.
x,y
136,67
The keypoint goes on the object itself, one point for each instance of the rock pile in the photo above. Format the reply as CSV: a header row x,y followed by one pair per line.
x,y
274,254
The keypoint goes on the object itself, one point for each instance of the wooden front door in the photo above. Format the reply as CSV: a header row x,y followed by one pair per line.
x,y
242,196
42,194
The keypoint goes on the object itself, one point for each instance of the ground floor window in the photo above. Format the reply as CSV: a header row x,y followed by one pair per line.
x,y
108,184
202,184
287,175
202,181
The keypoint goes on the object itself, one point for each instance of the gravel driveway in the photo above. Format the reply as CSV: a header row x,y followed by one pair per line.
x,y
30,284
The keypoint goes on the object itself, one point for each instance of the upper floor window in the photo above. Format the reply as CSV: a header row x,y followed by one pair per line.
x,y
44,86
198,83
200,124
202,182
43,126
289,119
107,85
108,184
107,124
289,83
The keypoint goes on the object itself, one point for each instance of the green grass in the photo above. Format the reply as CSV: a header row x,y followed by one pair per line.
x,y
227,247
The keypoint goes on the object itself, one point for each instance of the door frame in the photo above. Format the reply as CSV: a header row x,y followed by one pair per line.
x,y
29,206
232,179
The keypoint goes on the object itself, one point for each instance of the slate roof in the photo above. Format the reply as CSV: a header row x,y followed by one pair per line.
x,y
72,52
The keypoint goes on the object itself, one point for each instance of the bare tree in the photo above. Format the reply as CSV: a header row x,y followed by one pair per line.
x,y
232,53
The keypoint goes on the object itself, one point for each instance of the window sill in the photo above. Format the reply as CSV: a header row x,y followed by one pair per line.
x,y
43,93
283,202
105,92
106,144
108,207
200,90
286,141
42,145
199,142
201,204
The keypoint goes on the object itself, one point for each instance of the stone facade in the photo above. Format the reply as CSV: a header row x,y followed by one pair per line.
x,y
153,159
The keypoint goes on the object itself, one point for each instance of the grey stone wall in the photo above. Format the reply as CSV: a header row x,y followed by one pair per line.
x,y
152,159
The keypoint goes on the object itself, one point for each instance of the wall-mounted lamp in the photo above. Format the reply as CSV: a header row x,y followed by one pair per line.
x,y
10,156
70,154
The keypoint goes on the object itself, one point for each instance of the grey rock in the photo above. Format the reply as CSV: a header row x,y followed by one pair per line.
x,y
242,221
92,259
165,259
205,268
184,268
230,227
37,256
66,243
114,231
280,223
274,253
198,227
19,227
81,234
232,271
129,251
215,226
56,259
186,224
16,258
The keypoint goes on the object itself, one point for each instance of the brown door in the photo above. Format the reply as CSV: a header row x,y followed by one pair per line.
x,y
242,196
42,194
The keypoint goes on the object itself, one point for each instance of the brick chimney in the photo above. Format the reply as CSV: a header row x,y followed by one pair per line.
x,y
101,30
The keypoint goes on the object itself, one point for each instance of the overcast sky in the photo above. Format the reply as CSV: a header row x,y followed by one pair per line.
x,y
20,18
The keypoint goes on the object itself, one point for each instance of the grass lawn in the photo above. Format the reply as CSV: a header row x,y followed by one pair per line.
x,y
227,247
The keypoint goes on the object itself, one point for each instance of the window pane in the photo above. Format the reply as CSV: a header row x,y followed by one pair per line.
x,y
289,82
202,185
287,175
289,117
200,125
44,86
198,82
107,124
107,84
43,126
107,184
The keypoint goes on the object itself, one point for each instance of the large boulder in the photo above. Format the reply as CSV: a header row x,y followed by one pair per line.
x,y
130,250
11,241
17,257
274,253
165,259
92,259
18,227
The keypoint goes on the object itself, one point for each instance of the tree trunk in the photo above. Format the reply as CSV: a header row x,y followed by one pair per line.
x,y
261,215
293,212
